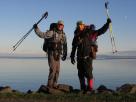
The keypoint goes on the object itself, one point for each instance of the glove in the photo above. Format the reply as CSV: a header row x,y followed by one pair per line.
x,y
35,26
63,58
108,20
73,60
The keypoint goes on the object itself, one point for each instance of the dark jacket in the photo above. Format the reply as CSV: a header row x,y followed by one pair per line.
x,y
81,41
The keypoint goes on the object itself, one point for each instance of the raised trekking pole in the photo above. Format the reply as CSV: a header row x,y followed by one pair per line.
x,y
114,49
22,39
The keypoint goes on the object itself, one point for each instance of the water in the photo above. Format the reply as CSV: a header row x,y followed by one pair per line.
x,y
29,73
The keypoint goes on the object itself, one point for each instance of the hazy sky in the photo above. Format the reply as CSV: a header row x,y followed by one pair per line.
x,y
18,16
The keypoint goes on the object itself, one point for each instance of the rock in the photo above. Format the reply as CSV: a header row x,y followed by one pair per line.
x,y
43,89
30,92
65,88
133,90
127,88
55,91
6,89
103,89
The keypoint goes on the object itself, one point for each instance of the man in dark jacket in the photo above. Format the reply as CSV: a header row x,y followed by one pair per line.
x,y
56,46
83,42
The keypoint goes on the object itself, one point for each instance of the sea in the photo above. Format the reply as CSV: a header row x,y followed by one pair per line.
x,y
29,73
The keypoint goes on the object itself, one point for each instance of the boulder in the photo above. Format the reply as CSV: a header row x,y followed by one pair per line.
x,y
133,90
30,92
6,89
127,88
55,91
65,88
43,89
103,89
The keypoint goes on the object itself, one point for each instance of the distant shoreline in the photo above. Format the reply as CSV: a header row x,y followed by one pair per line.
x,y
106,56
99,57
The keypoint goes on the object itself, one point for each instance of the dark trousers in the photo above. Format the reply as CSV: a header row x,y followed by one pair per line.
x,y
85,68
54,68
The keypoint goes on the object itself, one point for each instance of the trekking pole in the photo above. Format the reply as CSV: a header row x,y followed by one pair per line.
x,y
114,49
22,39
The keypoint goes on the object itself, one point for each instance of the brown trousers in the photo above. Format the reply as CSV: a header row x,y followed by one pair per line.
x,y
54,68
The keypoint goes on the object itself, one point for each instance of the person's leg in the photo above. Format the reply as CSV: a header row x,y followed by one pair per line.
x,y
89,74
90,84
56,73
52,69
81,75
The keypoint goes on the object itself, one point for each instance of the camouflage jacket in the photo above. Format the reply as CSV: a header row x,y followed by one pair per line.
x,y
54,37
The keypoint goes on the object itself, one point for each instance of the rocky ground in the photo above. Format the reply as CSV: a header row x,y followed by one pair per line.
x,y
66,93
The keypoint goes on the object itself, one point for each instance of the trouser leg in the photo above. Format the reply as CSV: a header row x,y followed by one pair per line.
x,y
90,84
89,74
82,82
81,75
52,69
56,73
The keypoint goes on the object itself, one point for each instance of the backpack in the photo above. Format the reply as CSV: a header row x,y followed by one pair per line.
x,y
53,26
89,43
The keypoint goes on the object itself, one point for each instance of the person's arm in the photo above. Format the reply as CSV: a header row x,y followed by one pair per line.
x,y
47,34
39,33
65,47
104,28
74,47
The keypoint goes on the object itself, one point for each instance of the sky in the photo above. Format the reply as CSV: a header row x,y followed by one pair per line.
x,y
18,16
